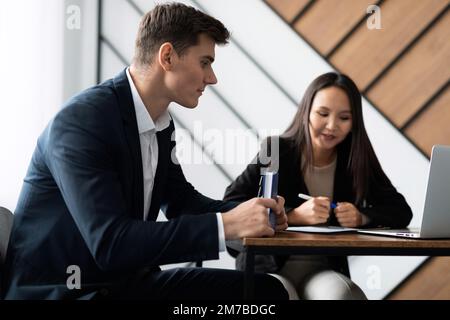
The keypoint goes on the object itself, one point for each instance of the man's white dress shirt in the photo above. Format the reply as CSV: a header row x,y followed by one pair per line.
x,y
149,151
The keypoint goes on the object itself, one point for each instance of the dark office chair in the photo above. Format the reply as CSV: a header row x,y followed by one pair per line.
x,y
6,219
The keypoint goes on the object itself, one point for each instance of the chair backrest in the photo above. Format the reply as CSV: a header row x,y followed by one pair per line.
x,y
6,220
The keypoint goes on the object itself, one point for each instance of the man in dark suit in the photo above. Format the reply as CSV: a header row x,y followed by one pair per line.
x,y
85,225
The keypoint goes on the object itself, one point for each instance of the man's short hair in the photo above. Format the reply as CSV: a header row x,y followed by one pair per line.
x,y
178,24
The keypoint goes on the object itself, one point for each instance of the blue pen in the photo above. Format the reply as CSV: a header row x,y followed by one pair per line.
x,y
306,197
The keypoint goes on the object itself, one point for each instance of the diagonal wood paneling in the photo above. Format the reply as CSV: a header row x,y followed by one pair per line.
x,y
368,52
431,282
288,9
327,22
432,127
405,88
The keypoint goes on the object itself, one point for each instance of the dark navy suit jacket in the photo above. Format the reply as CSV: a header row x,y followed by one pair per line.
x,y
82,203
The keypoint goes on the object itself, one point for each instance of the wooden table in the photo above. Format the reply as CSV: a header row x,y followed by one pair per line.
x,y
286,243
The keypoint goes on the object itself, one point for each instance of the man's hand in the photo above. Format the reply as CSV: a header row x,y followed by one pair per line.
x,y
314,211
347,215
282,220
250,219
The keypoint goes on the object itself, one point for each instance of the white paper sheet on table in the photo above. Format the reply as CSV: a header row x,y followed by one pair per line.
x,y
324,229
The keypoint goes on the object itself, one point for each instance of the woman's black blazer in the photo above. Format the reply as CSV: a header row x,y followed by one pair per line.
x,y
384,206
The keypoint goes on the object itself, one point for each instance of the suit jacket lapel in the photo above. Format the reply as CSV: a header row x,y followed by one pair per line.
x,y
294,159
128,113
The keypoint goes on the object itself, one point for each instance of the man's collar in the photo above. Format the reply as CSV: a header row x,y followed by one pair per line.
x,y
144,120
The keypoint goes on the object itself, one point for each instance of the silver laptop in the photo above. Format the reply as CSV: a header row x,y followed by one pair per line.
x,y
436,212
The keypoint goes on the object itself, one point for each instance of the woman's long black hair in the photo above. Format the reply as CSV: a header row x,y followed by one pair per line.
x,y
363,165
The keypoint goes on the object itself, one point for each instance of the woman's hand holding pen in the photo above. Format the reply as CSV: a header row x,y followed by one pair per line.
x,y
311,212
348,215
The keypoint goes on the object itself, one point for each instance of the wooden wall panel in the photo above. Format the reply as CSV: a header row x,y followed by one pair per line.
x,y
430,282
433,125
367,52
414,79
288,9
328,21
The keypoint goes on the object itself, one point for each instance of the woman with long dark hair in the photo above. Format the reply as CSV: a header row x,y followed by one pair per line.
x,y
326,154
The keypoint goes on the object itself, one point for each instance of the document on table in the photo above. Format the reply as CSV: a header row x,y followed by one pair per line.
x,y
330,229
322,229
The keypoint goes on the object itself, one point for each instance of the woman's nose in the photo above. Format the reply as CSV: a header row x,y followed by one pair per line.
x,y
331,123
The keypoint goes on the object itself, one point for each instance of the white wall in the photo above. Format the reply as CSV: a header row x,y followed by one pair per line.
x,y
31,60
80,45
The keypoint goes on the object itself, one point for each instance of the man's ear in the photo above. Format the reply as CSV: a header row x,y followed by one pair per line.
x,y
166,56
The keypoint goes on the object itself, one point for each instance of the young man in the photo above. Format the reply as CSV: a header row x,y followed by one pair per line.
x,y
85,225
